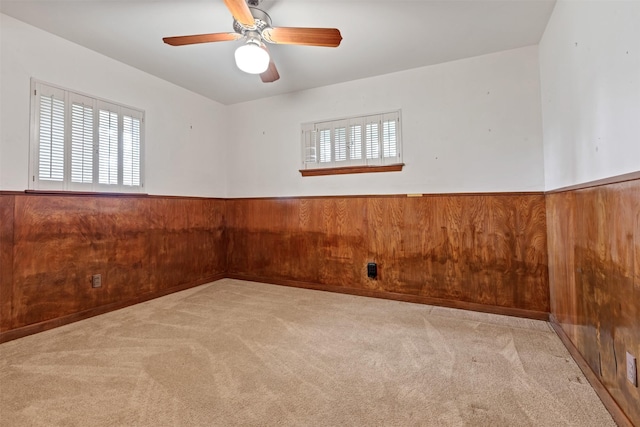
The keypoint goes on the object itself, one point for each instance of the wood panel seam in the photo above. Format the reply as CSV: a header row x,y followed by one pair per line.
x,y
609,402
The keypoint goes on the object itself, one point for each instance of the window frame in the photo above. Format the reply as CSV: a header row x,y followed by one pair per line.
x,y
70,98
342,160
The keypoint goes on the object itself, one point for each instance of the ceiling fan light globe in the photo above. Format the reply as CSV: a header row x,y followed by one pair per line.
x,y
252,58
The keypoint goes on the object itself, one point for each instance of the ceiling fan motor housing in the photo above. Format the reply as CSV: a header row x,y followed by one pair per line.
x,y
262,21
254,25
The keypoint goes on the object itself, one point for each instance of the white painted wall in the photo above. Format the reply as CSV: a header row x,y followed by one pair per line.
x,y
472,125
185,132
468,126
590,81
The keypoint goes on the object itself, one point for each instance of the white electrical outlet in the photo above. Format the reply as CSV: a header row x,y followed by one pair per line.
x,y
632,369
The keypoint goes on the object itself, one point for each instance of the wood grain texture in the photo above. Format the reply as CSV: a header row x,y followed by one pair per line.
x,y
187,237
311,240
485,250
35,328
61,241
631,176
6,260
594,263
139,245
481,249
372,293
612,406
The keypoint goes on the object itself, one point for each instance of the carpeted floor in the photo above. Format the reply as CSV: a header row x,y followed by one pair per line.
x,y
242,353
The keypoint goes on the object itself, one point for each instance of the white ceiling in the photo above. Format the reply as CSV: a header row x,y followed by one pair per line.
x,y
379,37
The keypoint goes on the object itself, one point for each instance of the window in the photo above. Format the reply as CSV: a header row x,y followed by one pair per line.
x,y
355,144
81,143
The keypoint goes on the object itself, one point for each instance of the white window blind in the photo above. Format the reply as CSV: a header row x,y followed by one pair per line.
x,y
51,138
340,144
108,147
372,140
325,145
355,142
389,138
309,147
82,143
131,151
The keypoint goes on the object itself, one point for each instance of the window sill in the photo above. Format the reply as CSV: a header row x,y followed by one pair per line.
x,y
351,169
84,193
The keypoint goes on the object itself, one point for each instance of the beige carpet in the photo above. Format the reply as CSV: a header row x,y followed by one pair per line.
x,y
241,353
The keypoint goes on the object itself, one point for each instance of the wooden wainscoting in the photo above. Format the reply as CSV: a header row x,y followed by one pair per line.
x,y
485,252
594,270
142,246
6,261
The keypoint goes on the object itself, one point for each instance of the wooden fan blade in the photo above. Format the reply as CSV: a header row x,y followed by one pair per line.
x,y
328,37
240,11
271,75
201,38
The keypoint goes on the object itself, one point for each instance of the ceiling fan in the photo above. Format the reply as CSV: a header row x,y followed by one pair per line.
x,y
254,25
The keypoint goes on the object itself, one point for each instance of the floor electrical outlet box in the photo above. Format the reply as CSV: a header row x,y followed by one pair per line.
x,y
632,369
96,281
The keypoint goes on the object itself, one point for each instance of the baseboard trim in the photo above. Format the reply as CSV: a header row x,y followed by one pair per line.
x,y
609,402
81,315
494,309
74,317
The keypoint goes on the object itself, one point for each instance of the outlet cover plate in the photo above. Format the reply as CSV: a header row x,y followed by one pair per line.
x,y
632,369
96,281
